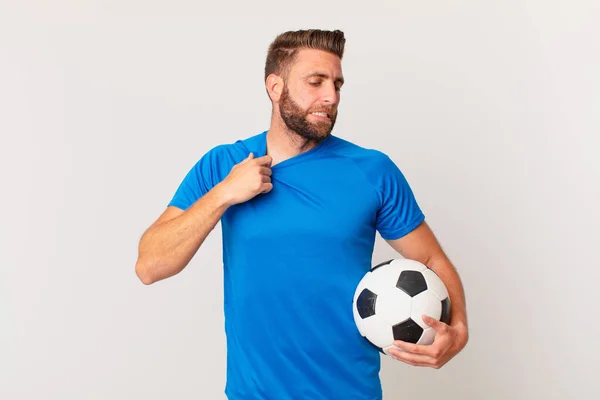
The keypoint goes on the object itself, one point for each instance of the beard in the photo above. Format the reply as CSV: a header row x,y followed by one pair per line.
x,y
296,119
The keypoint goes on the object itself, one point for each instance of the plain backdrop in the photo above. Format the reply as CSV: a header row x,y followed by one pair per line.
x,y
490,108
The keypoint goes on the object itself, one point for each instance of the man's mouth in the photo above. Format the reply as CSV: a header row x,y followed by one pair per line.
x,y
321,114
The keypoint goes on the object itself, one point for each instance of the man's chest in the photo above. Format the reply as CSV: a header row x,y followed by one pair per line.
x,y
317,209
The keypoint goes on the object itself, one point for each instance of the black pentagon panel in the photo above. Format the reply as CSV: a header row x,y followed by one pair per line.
x,y
382,264
407,331
365,303
411,282
445,318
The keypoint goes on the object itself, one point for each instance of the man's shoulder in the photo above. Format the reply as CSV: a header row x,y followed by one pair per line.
x,y
358,153
236,151
376,165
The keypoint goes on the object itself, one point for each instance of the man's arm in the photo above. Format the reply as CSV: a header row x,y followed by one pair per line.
x,y
421,245
169,244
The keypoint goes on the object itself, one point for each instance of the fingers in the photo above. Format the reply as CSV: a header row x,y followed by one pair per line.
x,y
431,355
264,160
412,347
416,352
266,171
430,351
416,360
407,347
266,187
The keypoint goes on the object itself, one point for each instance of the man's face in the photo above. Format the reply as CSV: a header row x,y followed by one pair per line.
x,y
310,97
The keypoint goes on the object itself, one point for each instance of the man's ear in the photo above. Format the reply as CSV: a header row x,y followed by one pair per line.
x,y
274,85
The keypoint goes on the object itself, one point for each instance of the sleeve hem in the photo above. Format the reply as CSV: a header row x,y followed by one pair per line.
x,y
398,233
178,205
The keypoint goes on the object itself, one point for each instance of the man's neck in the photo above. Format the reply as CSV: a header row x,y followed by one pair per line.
x,y
283,143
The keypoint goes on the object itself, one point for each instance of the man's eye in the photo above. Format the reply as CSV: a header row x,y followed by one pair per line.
x,y
337,88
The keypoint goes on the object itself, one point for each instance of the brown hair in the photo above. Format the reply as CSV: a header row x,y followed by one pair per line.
x,y
283,50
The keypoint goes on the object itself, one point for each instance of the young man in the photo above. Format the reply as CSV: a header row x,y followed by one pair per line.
x,y
300,209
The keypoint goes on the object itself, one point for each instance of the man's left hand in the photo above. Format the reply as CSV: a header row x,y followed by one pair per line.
x,y
449,340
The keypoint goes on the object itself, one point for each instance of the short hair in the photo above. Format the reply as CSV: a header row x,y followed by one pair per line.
x,y
284,49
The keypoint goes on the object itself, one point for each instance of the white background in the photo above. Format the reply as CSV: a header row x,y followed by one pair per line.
x,y
490,108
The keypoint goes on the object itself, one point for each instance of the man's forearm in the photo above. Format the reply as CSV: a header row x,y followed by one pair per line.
x,y
167,247
448,274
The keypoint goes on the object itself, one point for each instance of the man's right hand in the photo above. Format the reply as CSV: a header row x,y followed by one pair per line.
x,y
247,179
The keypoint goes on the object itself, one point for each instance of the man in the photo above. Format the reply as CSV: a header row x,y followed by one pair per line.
x,y
300,208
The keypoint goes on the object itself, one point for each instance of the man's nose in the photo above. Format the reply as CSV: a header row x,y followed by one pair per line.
x,y
330,94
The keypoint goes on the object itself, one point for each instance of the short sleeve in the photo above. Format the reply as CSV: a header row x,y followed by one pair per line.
x,y
399,213
199,180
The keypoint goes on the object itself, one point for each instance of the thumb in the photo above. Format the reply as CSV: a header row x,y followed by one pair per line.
x,y
434,323
250,157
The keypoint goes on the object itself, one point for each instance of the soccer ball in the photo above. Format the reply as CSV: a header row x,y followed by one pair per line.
x,y
391,299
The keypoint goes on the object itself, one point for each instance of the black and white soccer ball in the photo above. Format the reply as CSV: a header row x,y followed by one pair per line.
x,y
391,299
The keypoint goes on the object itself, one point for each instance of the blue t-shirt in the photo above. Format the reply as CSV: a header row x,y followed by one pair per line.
x,y
292,259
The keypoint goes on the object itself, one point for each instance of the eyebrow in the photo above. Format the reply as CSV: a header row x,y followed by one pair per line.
x,y
323,75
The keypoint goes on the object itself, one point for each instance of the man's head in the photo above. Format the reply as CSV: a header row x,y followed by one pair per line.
x,y
303,77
